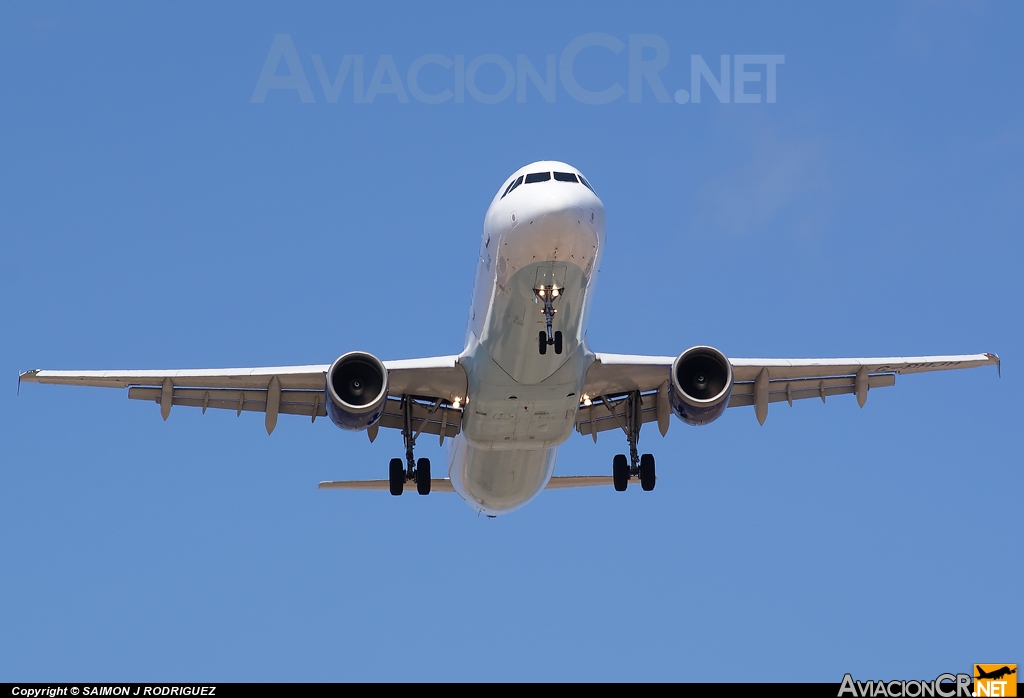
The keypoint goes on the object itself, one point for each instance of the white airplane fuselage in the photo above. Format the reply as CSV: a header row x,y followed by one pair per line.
x,y
521,405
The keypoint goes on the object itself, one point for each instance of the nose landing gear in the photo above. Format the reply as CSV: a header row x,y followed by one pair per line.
x,y
545,338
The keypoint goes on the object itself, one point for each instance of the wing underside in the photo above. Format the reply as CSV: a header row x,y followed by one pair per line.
x,y
428,387
614,379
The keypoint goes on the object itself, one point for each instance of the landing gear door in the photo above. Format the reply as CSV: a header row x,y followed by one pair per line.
x,y
549,275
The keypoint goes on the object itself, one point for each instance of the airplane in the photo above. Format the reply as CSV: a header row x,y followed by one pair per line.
x,y
526,379
996,674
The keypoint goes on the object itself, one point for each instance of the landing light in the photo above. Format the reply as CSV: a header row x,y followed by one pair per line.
x,y
586,401
540,292
554,292
455,403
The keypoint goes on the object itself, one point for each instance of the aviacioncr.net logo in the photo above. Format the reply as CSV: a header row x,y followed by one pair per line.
x,y
995,680
943,686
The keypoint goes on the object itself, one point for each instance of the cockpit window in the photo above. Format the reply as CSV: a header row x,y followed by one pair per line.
x,y
545,177
513,185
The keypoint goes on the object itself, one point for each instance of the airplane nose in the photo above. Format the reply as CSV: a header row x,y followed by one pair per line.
x,y
554,228
557,215
557,200
552,221
557,206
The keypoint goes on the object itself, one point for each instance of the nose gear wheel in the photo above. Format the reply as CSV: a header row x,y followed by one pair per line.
x,y
546,338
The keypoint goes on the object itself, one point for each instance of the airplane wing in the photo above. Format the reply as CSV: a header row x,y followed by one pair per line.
x,y
758,382
432,384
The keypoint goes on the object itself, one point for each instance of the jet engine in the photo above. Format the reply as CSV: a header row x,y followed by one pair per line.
x,y
357,388
700,385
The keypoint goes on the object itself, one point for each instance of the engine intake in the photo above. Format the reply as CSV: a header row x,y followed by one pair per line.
x,y
357,388
700,385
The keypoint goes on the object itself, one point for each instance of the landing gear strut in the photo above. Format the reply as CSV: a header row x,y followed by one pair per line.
x,y
638,466
412,470
547,295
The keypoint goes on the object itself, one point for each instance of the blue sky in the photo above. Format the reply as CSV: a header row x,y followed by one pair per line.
x,y
153,216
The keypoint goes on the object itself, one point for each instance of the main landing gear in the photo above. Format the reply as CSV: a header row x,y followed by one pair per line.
x,y
412,470
637,465
546,338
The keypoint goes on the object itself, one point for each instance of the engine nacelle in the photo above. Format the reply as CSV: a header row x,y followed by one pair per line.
x,y
700,385
357,388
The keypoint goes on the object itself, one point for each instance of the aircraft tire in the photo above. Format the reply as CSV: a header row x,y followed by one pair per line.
x,y
647,476
558,342
396,476
423,476
543,342
620,472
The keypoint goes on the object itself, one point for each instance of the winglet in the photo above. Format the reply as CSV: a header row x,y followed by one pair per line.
x,y
31,374
999,364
